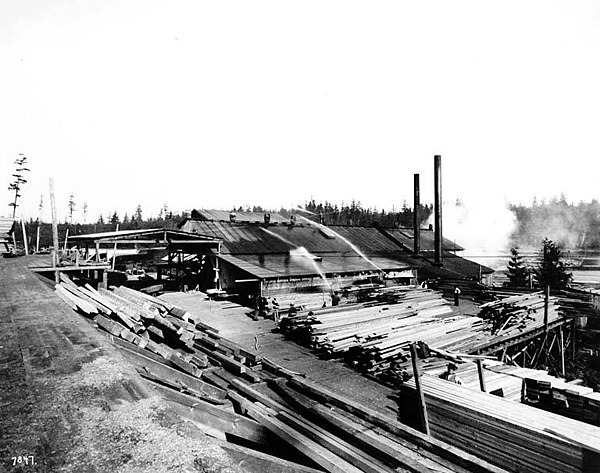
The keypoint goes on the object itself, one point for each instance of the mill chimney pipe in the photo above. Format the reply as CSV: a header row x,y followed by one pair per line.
x,y
437,180
417,204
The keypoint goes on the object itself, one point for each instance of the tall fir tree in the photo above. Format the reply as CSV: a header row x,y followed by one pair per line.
x,y
518,274
550,270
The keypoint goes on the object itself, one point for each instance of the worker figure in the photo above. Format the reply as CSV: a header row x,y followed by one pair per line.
x,y
456,294
292,310
450,374
335,299
275,306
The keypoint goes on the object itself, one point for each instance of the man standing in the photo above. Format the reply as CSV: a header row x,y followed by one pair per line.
x,y
456,294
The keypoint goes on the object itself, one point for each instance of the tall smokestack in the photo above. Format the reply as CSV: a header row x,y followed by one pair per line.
x,y
417,204
437,180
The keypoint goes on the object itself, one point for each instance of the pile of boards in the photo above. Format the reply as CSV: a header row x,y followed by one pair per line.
x,y
514,314
232,391
373,335
565,398
516,436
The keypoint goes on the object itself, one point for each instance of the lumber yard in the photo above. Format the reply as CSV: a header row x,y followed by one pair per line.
x,y
262,344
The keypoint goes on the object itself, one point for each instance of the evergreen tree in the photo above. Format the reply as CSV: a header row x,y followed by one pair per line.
x,y
551,270
101,220
517,271
138,214
115,218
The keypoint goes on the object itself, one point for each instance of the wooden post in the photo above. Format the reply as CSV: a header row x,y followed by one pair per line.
x,y
573,350
66,238
97,251
55,255
561,339
420,396
480,371
546,303
24,236
115,251
37,239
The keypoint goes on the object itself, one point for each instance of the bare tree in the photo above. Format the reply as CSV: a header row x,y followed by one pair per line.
x,y
85,207
20,171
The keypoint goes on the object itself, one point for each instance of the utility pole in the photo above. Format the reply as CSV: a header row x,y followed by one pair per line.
x,y
55,254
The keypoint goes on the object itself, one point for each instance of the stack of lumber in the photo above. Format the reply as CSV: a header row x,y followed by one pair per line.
x,y
341,435
249,398
373,335
576,303
302,300
514,314
516,436
568,399
155,327
497,381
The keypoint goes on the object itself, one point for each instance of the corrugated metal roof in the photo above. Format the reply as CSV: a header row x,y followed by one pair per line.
x,y
239,238
246,217
405,237
6,226
264,250
283,266
173,234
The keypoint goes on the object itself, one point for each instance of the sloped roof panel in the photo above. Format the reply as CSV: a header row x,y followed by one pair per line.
x,y
406,235
246,217
283,266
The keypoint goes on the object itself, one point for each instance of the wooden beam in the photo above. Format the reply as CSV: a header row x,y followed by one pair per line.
x,y
24,236
561,341
481,376
322,456
420,397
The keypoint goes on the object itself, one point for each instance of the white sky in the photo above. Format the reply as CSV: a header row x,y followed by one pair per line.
x,y
215,104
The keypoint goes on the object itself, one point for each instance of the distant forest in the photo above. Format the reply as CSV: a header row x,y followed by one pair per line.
x,y
572,226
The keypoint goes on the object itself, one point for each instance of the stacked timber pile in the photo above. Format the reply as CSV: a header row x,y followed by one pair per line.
x,y
514,314
153,326
498,377
568,399
375,334
576,303
233,392
516,436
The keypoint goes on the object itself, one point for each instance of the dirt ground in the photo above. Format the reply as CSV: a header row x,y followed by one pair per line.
x,y
70,403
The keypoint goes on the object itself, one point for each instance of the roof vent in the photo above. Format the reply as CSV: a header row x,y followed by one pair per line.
x,y
232,216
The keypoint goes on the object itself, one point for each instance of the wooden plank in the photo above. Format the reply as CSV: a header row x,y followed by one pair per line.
x,y
257,461
229,363
208,414
176,377
339,447
323,457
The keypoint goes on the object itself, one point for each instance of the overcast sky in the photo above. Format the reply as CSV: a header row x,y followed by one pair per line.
x,y
216,104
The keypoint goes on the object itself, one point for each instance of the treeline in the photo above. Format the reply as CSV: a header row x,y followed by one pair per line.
x,y
167,220
355,214
572,226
